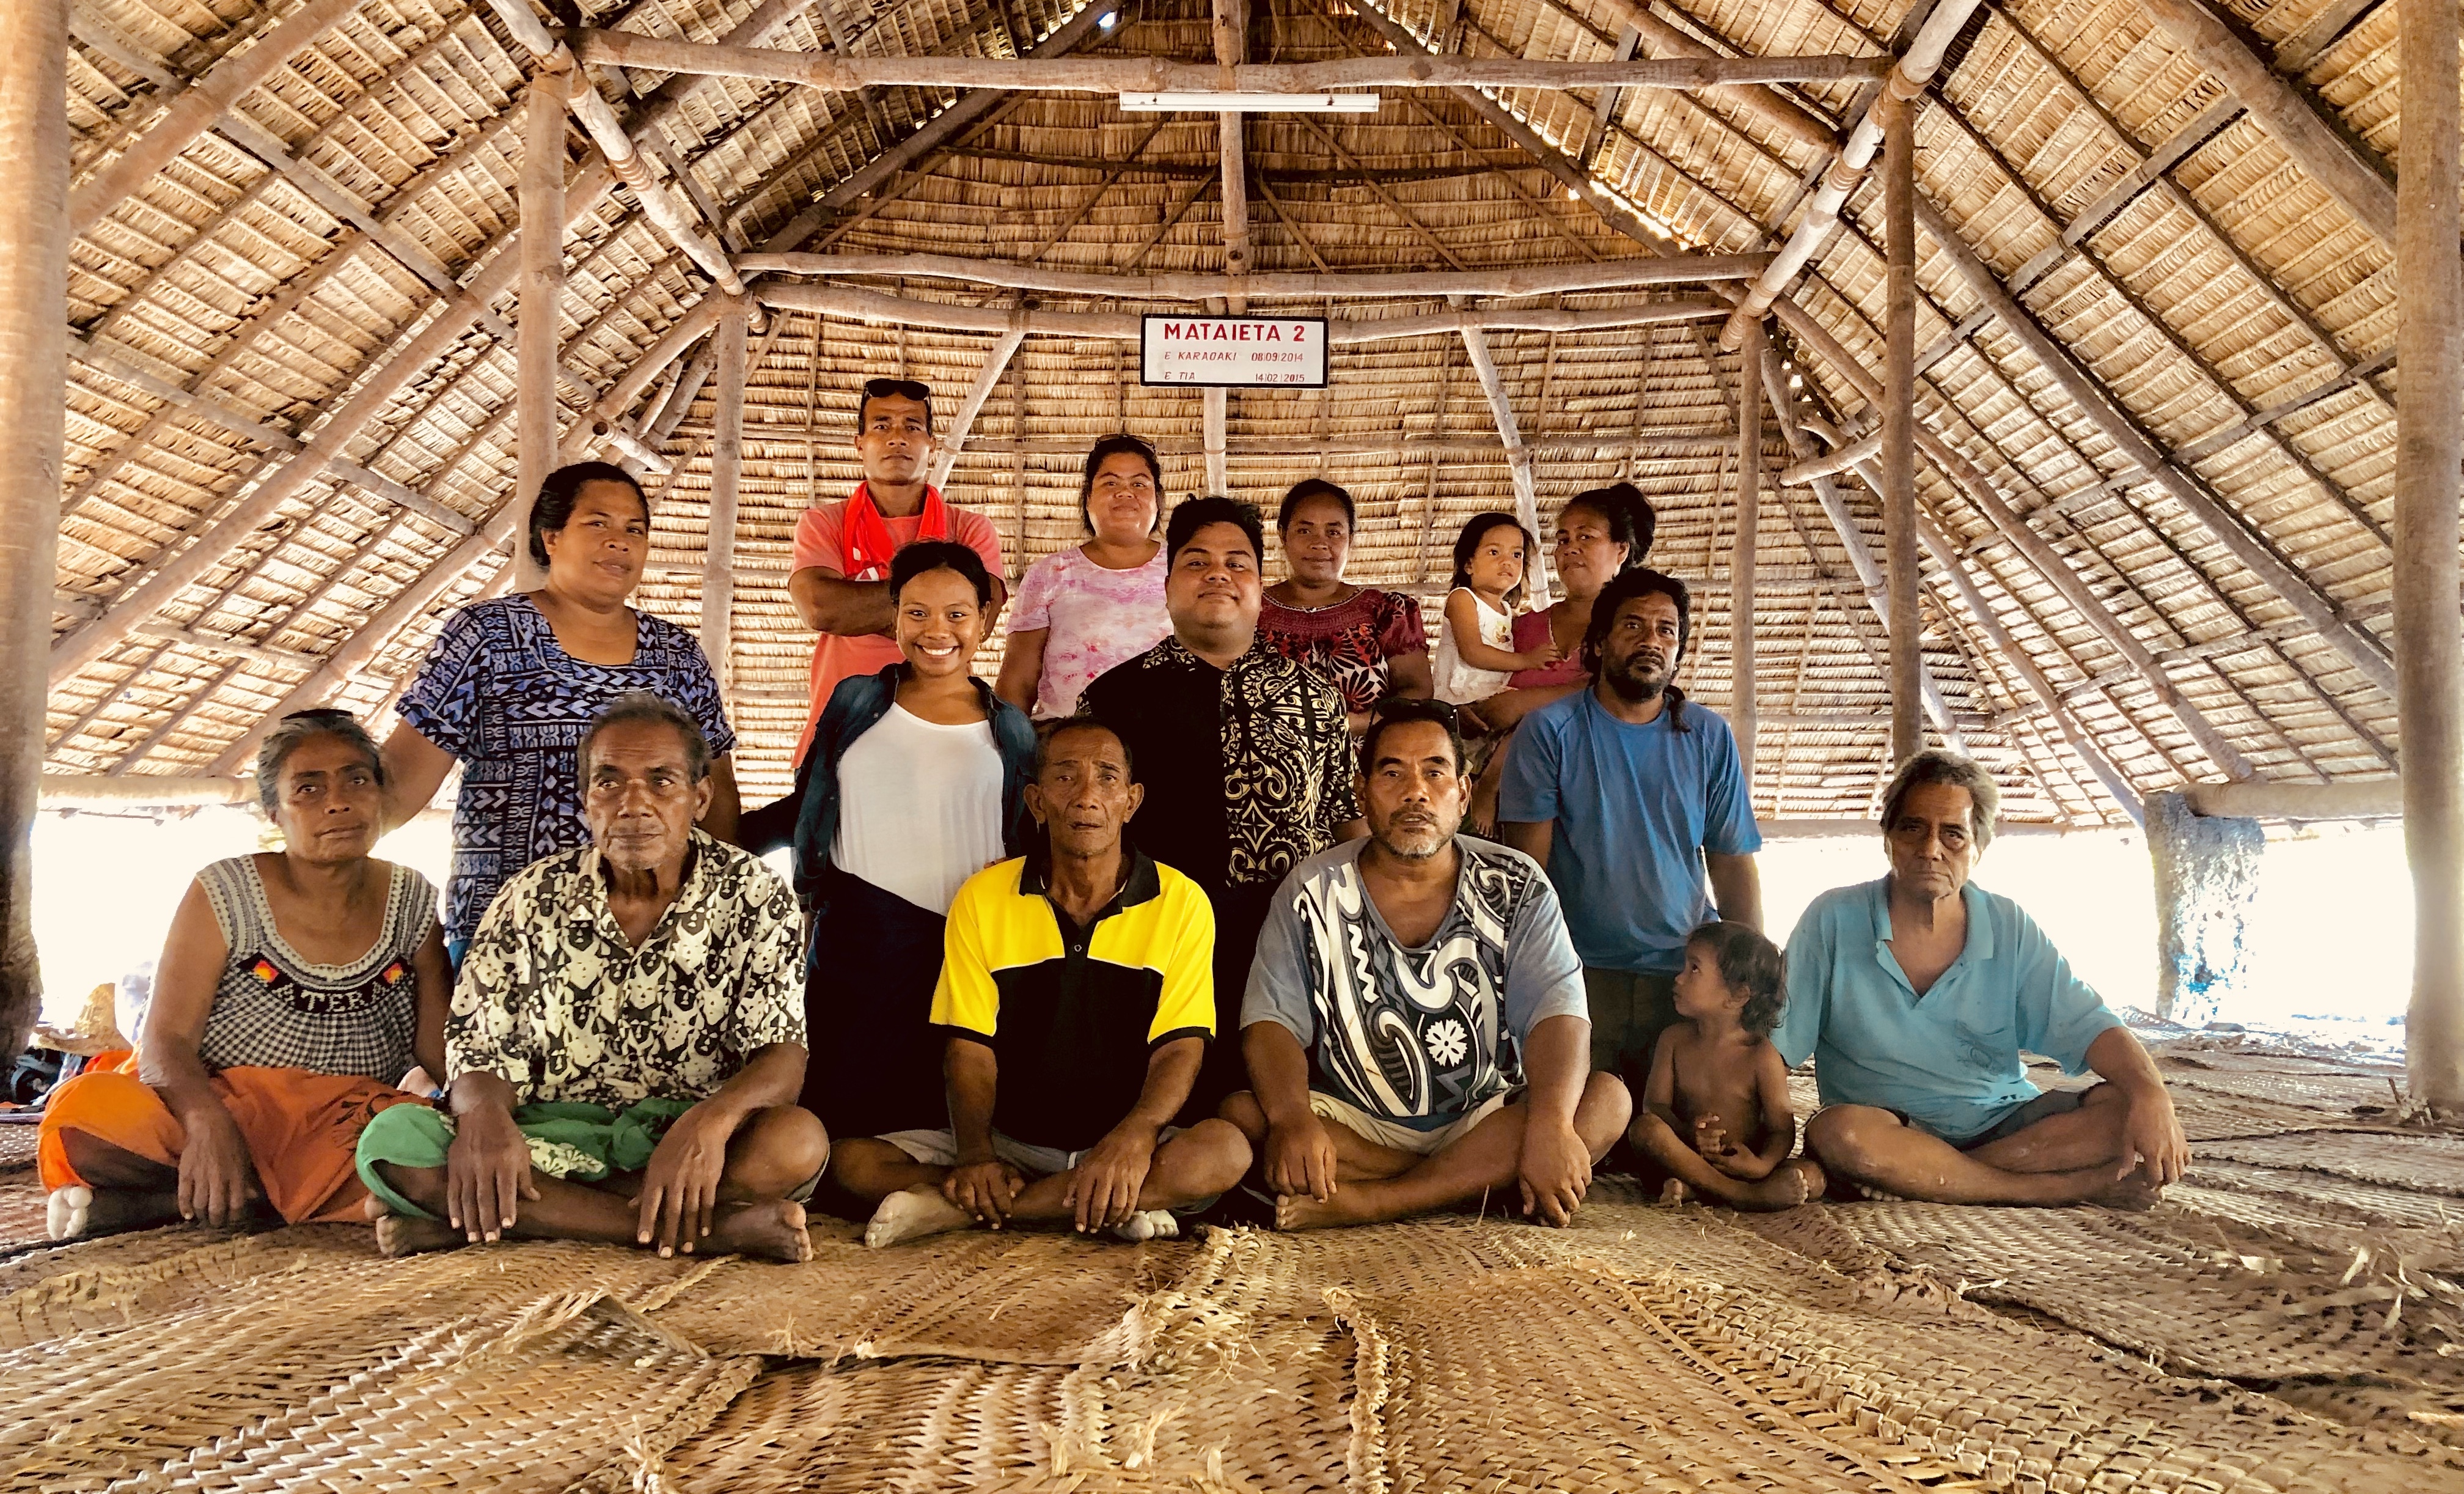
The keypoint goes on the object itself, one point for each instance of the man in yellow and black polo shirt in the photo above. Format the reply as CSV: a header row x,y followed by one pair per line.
x,y
1078,995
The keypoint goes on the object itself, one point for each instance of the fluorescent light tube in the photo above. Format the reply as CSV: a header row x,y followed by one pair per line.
x,y
1248,103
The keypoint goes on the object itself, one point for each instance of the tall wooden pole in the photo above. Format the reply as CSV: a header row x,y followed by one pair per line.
x,y
1741,563
541,290
33,350
726,470
2430,451
1231,49
1899,420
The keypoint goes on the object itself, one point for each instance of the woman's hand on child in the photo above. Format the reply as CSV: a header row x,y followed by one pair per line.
x,y
1540,658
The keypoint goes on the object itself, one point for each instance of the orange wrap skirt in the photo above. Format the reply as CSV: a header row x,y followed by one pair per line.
x,y
303,1130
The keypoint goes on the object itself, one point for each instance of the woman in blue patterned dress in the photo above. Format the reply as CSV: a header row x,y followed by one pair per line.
x,y
513,682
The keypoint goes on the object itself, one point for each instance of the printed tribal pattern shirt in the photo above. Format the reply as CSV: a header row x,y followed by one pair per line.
x,y
1420,1035
1248,770
500,695
554,999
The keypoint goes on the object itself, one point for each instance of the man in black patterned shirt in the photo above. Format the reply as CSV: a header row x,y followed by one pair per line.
x,y
1245,754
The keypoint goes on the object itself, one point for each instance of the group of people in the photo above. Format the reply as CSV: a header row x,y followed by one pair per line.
x,y
1221,890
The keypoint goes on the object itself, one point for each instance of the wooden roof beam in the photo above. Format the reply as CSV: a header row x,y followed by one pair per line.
x,y
199,108
1164,75
1907,79
2315,144
2103,412
1514,281
877,307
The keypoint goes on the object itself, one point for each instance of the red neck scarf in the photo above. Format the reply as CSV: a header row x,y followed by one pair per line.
x,y
864,535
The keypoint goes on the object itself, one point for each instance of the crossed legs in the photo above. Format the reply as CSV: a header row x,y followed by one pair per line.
x,y
1194,1166
1376,1183
770,1156
2072,1157
1691,1174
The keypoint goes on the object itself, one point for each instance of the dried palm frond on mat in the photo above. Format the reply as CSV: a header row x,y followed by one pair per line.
x,y
2423,1163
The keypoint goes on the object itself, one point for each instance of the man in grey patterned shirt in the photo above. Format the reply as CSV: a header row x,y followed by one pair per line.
x,y
1416,1028
628,1038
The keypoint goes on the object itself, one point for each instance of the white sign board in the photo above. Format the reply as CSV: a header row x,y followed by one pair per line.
x,y
1234,353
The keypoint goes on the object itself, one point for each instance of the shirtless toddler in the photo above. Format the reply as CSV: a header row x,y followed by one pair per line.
x,y
1716,1115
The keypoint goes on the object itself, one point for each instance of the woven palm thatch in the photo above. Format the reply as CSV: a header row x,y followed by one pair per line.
x,y
293,276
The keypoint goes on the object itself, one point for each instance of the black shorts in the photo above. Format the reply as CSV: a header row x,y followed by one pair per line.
x,y
2019,1117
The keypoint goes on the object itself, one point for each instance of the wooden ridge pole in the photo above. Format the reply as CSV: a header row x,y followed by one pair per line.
x,y
541,293
1899,451
726,472
2430,454
1742,718
1162,75
1508,280
33,349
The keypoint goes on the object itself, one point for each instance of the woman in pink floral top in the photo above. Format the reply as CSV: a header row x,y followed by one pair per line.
x,y
1085,607
1369,644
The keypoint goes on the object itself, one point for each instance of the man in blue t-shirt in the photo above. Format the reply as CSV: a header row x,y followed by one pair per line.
x,y
1634,801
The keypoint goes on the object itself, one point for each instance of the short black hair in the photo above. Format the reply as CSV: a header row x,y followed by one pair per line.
x,y
925,555
1468,544
1047,731
561,489
1631,519
883,388
294,732
1196,513
1119,443
1751,964
1632,585
645,705
1308,488
1404,710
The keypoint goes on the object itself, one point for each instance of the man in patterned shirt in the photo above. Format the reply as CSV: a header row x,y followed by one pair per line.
x,y
626,1042
1244,755
1415,1025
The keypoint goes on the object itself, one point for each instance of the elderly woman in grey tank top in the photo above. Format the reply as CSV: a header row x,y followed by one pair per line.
x,y
298,989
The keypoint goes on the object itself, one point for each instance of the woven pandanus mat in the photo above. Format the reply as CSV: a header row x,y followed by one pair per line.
x,y
578,1391
118,1399
2424,1164
2207,1115
117,1279
39,1262
909,1425
1027,1297
21,1210
2196,1305
2317,1196
17,1145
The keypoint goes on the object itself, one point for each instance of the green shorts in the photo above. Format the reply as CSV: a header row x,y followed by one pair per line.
x,y
585,1143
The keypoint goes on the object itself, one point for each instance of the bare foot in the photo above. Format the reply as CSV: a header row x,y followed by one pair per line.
x,y
77,1211
1148,1224
399,1234
912,1215
1789,1184
770,1231
2132,1190
1300,1212
1675,1190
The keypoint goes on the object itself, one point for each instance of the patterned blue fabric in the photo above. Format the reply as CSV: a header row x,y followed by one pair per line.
x,y
500,695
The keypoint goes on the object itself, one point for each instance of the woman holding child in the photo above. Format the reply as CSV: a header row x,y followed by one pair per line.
x,y
297,990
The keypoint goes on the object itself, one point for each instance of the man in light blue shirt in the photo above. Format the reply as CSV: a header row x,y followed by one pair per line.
x,y
1916,995
1634,799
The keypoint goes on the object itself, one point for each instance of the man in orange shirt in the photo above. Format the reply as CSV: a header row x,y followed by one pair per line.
x,y
841,562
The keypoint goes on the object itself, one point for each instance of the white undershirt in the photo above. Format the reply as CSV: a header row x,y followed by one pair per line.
x,y
919,807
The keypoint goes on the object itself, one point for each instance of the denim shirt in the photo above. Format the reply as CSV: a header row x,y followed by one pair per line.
x,y
860,701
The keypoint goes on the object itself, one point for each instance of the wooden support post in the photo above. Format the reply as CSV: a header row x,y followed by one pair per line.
x,y
1231,49
1518,461
541,293
945,453
2430,448
1899,419
34,350
1219,470
1741,564
726,468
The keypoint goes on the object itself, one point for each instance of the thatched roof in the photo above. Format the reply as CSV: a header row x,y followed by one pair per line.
x,y
291,256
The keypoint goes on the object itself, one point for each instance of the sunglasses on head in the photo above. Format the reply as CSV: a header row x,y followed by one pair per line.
x,y
1404,708
322,713
903,389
